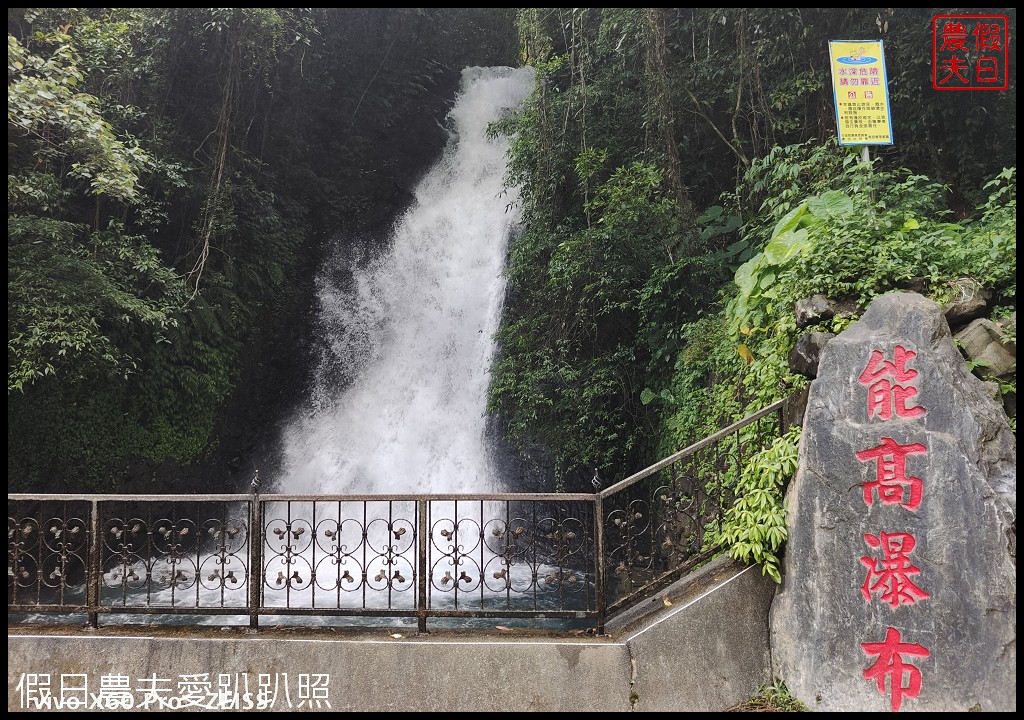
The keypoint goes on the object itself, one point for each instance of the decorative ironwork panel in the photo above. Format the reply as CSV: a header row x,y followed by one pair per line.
x,y
339,554
47,551
666,520
511,555
174,554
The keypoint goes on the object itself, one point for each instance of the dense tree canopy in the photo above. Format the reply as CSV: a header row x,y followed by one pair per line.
x,y
173,174
658,154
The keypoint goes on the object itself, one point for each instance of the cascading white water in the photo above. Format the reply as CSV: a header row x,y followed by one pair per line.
x,y
413,328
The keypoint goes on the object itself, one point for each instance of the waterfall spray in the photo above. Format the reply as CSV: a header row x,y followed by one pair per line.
x,y
413,330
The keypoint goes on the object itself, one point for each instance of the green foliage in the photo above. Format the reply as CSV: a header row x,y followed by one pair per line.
x,y
776,183
107,425
884,231
743,132
877,231
549,381
702,385
754,527
81,302
789,214
991,239
871,232
62,125
150,146
772,698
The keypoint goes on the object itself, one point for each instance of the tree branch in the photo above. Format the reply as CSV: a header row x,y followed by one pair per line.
x,y
739,153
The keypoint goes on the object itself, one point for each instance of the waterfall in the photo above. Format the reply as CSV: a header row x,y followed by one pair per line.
x,y
399,407
411,329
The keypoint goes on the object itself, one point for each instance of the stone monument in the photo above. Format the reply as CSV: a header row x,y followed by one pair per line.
x,y
899,583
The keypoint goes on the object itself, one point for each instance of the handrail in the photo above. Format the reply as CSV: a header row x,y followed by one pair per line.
x,y
272,497
503,555
691,449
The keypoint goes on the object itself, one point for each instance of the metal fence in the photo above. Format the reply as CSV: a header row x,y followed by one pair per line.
x,y
575,556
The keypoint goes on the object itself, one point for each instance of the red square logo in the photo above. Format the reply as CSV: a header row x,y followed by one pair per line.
x,y
970,52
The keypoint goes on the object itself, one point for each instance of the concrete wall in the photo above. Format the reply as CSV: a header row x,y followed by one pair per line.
x,y
702,645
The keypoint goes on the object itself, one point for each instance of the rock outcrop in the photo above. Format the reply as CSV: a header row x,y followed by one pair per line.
x,y
899,574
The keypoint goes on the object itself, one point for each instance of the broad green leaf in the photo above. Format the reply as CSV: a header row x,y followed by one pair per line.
x,y
782,248
712,213
737,246
732,222
744,278
832,203
791,220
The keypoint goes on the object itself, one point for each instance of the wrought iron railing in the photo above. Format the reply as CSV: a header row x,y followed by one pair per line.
x,y
575,556
663,521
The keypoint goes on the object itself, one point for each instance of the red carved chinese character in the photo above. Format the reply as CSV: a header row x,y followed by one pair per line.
x,y
890,662
891,473
988,36
884,395
890,576
953,66
954,36
987,70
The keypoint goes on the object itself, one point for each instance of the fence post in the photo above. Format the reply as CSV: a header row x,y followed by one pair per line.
x,y
600,601
422,532
255,559
94,574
